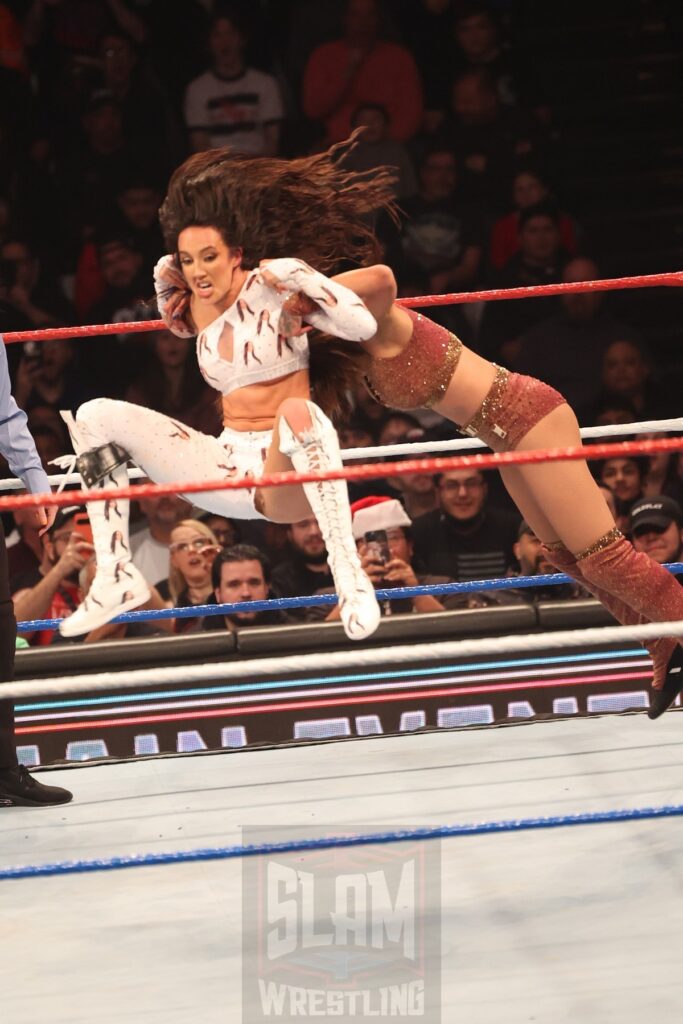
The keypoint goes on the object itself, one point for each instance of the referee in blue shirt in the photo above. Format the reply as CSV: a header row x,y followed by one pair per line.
x,y
18,788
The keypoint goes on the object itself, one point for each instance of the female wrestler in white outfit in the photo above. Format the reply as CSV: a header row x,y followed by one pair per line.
x,y
251,349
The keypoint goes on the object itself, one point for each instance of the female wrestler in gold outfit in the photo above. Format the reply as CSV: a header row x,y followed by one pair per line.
x,y
415,362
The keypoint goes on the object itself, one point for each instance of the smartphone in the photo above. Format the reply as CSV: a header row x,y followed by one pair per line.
x,y
378,545
82,526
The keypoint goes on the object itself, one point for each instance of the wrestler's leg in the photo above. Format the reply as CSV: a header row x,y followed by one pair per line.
x,y
305,438
555,551
586,545
572,504
528,506
168,452
284,504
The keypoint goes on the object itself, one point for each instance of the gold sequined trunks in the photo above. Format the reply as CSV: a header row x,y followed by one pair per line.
x,y
515,403
419,376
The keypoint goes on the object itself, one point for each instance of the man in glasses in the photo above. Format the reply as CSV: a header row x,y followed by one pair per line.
x,y
466,537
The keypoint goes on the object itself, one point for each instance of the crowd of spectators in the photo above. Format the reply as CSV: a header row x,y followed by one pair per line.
x,y
101,99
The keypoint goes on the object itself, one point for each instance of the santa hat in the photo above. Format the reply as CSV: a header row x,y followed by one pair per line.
x,y
377,512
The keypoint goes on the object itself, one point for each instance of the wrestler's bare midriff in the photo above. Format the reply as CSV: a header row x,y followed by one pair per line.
x,y
469,384
468,388
255,407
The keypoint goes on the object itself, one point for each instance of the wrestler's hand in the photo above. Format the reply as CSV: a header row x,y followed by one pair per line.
x,y
336,309
295,307
173,296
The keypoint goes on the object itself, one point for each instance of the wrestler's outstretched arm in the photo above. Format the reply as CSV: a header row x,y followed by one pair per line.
x,y
333,307
376,286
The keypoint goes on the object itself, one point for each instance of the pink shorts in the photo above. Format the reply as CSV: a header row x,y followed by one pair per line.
x,y
515,403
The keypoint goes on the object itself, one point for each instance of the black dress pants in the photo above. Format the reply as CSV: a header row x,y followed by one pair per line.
x,y
8,632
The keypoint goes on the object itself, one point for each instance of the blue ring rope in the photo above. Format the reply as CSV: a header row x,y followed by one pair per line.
x,y
293,846
283,603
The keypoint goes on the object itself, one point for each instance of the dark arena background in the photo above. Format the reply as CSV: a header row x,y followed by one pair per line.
x,y
474,813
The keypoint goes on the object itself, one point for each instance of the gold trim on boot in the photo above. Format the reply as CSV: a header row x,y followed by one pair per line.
x,y
600,544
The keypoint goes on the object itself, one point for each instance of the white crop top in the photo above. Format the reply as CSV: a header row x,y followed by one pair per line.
x,y
260,352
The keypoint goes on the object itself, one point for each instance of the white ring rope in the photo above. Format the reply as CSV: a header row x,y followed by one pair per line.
x,y
354,658
463,443
57,479
417,448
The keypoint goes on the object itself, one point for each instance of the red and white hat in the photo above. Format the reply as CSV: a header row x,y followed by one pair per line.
x,y
378,512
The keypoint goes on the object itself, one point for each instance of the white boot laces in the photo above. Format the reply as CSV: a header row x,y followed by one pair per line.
x,y
67,463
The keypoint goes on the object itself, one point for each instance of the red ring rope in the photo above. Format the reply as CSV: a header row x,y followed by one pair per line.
x,y
672,279
363,472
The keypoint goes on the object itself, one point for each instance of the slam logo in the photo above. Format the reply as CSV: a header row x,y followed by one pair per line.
x,y
340,933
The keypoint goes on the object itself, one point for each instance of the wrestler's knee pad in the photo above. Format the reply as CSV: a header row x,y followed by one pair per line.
x,y
319,432
313,449
98,463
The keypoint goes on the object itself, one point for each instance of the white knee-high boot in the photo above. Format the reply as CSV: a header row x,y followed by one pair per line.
x,y
118,586
318,450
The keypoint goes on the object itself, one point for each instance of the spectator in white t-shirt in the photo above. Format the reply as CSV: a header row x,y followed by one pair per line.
x,y
150,545
232,104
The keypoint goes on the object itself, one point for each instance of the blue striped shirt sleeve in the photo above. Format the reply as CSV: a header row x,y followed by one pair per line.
x,y
16,442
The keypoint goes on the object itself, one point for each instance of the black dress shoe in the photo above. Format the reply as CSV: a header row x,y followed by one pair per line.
x,y
18,788
673,684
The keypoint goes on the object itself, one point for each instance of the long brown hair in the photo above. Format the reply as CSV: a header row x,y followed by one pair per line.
x,y
310,208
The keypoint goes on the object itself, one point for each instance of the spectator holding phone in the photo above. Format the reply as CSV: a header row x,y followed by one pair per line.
x,y
41,302
382,530
52,590
48,375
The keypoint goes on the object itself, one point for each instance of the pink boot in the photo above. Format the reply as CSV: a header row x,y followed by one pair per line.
x,y
636,589
661,650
